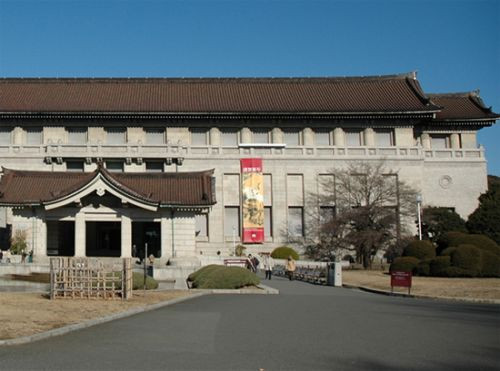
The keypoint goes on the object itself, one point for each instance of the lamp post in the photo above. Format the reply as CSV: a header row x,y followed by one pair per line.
x,y
419,204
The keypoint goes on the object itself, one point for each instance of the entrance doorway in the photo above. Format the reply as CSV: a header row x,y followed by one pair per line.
x,y
103,239
146,232
60,238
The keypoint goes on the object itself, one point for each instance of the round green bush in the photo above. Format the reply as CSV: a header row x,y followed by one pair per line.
x,y
467,257
420,250
439,265
222,277
138,282
490,264
424,268
284,252
405,264
453,239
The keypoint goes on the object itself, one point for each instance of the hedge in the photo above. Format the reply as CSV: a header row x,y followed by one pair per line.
x,y
448,251
424,267
138,282
222,277
482,242
420,250
490,264
284,252
467,257
439,265
405,264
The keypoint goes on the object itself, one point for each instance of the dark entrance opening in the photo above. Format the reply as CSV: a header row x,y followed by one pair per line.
x,y
103,239
146,232
60,238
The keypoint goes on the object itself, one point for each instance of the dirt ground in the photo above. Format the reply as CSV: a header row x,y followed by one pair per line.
x,y
24,314
471,288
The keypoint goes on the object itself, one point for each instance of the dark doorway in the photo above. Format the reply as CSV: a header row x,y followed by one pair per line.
x,y
60,238
146,232
103,239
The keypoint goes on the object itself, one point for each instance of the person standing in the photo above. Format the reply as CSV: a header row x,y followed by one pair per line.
x,y
268,263
290,267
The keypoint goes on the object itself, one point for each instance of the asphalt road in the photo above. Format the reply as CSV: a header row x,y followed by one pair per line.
x,y
306,327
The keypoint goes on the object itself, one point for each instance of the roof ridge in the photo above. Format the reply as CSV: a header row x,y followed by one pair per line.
x,y
4,80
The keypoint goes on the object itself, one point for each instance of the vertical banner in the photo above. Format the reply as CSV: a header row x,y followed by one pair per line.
x,y
252,183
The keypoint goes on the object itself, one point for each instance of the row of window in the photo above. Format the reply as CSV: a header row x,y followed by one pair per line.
x,y
228,137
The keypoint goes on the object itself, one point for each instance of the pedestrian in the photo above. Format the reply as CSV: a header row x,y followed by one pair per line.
x,y
23,257
250,265
7,256
255,263
268,263
30,257
290,267
1,255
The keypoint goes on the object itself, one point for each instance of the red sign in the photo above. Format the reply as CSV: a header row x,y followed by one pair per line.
x,y
402,279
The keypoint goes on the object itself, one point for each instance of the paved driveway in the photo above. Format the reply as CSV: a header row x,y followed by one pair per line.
x,y
306,327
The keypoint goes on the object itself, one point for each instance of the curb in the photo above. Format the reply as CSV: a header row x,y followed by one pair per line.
x,y
401,295
264,290
97,321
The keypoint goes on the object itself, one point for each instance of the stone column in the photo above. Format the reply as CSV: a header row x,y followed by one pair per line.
x,y
166,237
17,135
369,137
426,140
80,243
308,137
338,137
455,141
246,135
214,137
277,135
126,233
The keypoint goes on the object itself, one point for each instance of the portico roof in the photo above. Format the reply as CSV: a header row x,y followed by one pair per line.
x,y
466,106
150,190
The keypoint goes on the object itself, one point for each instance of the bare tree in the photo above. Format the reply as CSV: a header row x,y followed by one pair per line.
x,y
358,208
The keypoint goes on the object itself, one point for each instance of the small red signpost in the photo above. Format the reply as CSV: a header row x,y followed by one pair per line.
x,y
401,279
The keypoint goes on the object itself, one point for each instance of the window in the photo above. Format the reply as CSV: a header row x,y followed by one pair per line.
x,y
260,135
231,221
268,221
199,137
384,138
229,137
116,136
291,137
77,135
440,141
154,166
114,166
155,135
296,221
34,136
5,134
322,137
353,138
201,225
326,214
74,165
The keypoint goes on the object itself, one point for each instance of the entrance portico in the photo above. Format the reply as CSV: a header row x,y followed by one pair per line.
x,y
108,212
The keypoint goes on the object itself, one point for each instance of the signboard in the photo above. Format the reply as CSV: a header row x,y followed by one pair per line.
x,y
401,279
252,184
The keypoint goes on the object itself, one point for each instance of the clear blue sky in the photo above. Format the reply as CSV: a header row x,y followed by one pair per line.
x,y
454,45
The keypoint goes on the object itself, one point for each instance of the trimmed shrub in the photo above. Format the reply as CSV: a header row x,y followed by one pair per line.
x,y
467,257
222,277
448,251
439,265
458,272
138,282
457,238
420,250
405,264
424,267
284,252
490,264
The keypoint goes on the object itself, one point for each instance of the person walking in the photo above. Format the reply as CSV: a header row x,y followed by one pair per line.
x,y
290,267
268,263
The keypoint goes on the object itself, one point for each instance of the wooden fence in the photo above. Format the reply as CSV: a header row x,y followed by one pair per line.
x,y
90,278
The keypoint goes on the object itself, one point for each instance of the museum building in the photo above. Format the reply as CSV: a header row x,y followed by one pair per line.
x,y
100,167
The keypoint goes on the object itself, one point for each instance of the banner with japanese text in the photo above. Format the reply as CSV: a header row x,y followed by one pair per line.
x,y
252,184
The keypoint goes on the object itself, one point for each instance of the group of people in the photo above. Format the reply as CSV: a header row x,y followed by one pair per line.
x,y
5,256
268,265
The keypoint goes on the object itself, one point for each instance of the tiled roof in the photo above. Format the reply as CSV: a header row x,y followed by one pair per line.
x,y
20,187
377,94
466,106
